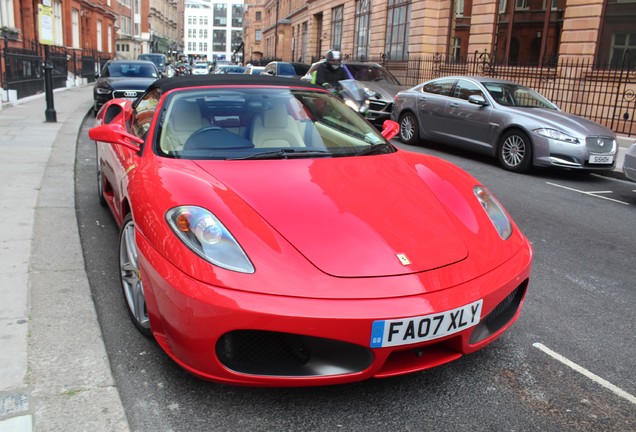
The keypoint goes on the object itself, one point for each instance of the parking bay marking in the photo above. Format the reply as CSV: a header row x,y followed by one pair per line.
x,y
580,369
593,193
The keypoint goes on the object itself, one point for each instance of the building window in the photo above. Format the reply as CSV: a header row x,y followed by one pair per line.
x,y
125,25
7,18
258,16
258,35
220,15
336,27
362,34
75,26
397,26
99,35
457,44
305,39
617,41
237,15
110,38
58,29
521,38
219,40
623,50
237,39
553,4
459,8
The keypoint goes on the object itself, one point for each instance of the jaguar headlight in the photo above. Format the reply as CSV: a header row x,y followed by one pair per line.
x,y
557,135
495,212
206,236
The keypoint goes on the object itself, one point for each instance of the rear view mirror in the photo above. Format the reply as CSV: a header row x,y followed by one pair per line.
x,y
390,129
114,134
477,100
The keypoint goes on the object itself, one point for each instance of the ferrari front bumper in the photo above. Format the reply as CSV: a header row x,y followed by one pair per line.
x,y
243,337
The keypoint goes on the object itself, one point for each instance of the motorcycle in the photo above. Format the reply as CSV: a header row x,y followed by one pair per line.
x,y
353,94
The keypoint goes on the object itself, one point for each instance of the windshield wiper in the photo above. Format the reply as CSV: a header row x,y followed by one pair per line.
x,y
375,149
286,153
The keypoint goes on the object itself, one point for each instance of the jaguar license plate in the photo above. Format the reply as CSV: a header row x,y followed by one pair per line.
x,y
601,159
405,331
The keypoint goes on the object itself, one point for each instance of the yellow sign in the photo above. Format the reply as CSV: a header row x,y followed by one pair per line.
x,y
45,25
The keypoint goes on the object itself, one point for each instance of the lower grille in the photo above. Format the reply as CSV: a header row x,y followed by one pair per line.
x,y
267,353
500,315
378,105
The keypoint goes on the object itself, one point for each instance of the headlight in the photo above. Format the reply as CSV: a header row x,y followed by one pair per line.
x,y
103,91
556,135
494,211
204,234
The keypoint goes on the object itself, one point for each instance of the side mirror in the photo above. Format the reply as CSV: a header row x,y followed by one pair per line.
x,y
390,129
477,100
269,72
114,134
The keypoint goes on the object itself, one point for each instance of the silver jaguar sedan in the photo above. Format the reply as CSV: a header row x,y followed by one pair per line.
x,y
511,122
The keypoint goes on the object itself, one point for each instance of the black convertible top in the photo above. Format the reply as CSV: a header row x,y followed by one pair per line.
x,y
167,84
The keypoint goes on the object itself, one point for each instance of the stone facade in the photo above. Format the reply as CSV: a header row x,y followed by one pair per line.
x,y
302,29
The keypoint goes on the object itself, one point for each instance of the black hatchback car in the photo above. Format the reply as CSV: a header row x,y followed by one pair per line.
x,y
123,79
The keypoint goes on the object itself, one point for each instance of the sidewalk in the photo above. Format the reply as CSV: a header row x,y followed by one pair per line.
x,y
55,373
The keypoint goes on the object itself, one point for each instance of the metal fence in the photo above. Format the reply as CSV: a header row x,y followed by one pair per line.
x,y
601,93
23,67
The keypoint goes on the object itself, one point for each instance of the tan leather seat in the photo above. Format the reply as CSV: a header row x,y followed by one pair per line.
x,y
184,119
276,128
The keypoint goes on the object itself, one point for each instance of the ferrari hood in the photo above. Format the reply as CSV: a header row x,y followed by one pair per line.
x,y
350,217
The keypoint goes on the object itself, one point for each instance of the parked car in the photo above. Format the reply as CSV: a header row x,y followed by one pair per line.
x,y
285,69
160,60
629,164
511,122
229,69
254,70
200,68
381,85
271,236
123,79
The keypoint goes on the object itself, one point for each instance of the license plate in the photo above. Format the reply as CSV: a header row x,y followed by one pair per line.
x,y
405,331
600,159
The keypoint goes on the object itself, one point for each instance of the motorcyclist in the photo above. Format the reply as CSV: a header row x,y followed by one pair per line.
x,y
331,71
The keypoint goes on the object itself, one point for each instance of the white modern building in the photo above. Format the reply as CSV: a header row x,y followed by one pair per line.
x,y
213,30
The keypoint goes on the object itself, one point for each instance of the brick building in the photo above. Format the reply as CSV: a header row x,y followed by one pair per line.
x,y
115,28
513,31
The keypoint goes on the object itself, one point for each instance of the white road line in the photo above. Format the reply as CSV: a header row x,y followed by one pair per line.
x,y
588,193
597,379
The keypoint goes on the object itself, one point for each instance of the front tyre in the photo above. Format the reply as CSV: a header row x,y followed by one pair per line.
x,y
515,151
130,275
409,129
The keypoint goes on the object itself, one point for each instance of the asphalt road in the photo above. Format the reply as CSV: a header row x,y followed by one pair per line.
x,y
580,305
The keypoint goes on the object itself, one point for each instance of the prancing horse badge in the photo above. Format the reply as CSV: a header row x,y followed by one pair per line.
x,y
404,259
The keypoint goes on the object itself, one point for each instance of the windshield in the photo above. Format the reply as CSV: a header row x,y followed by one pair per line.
x,y
262,123
369,72
130,70
516,95
158,59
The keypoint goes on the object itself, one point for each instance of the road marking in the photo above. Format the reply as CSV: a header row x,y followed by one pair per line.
x,y
593,194
597,379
